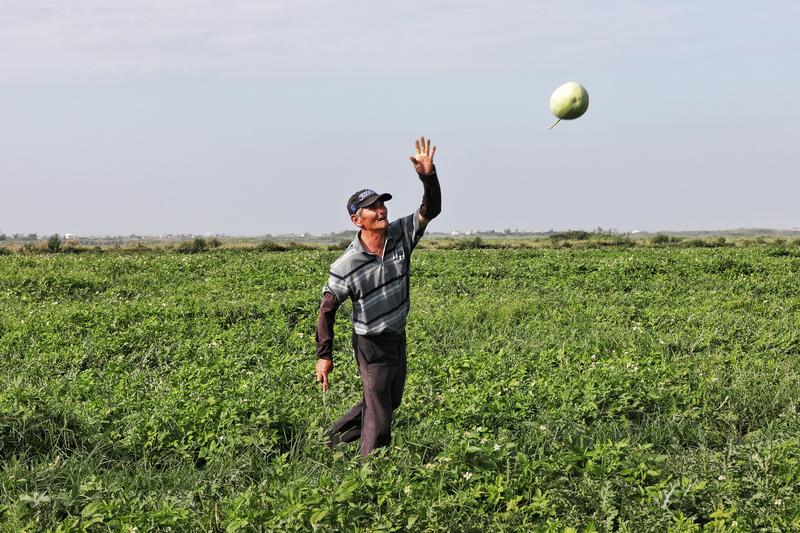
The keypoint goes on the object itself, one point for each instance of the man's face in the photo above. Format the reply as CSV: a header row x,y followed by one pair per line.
x,y
373,218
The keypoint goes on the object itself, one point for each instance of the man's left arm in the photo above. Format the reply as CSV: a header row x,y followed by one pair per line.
x,y
432,194
431,204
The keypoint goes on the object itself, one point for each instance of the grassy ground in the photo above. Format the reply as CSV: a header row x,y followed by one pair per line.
x,y
609,388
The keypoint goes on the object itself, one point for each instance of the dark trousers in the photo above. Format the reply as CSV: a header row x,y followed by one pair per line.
x,y
382,364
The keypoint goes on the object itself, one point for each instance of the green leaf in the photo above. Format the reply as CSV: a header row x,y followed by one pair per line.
x,y
317,517
90,509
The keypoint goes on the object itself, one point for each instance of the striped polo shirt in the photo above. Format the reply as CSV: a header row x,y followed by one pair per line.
x,y
378,287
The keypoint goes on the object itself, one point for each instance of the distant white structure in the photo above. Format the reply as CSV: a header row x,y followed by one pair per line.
x,y
68,236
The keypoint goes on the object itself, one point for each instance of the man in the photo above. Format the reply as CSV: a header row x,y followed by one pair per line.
x,y
374,273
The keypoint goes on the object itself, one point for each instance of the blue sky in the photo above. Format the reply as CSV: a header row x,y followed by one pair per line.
x,y
256,117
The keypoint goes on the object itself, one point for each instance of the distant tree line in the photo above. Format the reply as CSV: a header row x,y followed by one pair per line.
x,y
19,237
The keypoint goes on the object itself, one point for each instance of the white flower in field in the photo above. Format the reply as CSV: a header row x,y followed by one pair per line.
x,y
430,466
542,428
721,477
467,475
594,357
778,502
496,447
407,489
483,441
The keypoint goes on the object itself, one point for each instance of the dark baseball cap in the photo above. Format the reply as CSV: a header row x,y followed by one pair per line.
x,y
365,198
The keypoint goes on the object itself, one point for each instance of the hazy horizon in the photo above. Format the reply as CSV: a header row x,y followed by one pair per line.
x,y
754,231
262,117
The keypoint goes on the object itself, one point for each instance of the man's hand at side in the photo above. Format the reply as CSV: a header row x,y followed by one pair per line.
x,y
324,366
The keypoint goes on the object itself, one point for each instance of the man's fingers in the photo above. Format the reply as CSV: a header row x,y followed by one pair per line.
x,y
413,160
423,149
322,378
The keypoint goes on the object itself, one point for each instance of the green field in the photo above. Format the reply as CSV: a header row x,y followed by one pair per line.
x,y
632,389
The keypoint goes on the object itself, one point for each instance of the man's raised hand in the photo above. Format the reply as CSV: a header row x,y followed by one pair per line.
x,y
423,159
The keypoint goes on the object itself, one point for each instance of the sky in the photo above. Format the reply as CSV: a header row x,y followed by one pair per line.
x,y
257,117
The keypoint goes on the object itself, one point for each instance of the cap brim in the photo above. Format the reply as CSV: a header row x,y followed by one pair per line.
x,y
380,198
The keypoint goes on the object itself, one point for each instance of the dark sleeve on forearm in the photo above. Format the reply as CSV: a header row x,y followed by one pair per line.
x,y
431,197
324,334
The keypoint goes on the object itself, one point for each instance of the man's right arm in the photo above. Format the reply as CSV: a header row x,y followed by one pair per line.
x,y
324,335
325,321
